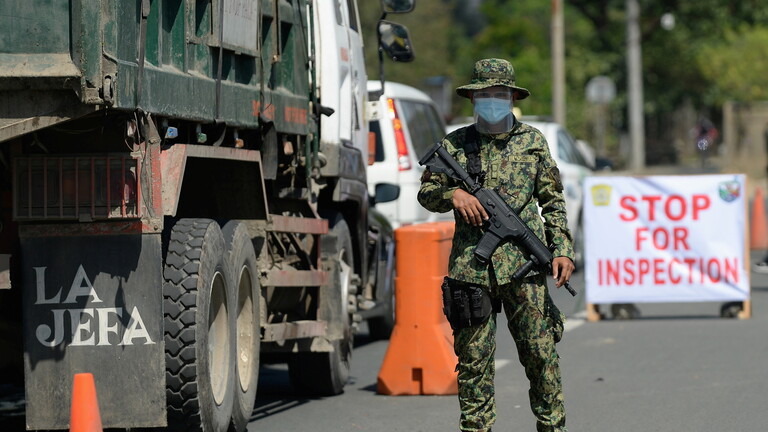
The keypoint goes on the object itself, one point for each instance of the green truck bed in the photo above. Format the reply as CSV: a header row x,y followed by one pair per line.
x,y
204,60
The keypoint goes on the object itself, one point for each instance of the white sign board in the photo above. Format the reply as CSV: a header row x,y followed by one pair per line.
x,y
665,239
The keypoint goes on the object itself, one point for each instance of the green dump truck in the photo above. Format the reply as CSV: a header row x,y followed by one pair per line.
x,y
183,196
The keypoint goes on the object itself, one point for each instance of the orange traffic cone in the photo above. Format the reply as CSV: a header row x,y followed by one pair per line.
x,y
759,227
85,415
420,358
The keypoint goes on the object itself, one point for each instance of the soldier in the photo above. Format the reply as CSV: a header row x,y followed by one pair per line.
x,y
513,158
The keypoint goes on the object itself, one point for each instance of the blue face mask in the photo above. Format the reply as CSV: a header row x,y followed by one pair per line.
x,y
492,110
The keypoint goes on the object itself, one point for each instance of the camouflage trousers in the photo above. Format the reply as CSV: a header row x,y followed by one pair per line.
x,y
536,325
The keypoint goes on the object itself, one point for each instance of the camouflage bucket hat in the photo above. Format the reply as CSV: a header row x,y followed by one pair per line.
x,y
492,72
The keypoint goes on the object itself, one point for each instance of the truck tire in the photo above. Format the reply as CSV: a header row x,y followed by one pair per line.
x,y
242,257
326,373
199,353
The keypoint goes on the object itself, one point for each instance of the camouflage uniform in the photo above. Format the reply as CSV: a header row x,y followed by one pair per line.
x,y
519,166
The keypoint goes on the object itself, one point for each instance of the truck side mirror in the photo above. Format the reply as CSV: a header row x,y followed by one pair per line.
x,y
395,41
397,6
385,192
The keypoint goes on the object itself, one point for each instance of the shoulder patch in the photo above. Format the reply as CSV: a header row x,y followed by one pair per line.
x,y
554,174
426,175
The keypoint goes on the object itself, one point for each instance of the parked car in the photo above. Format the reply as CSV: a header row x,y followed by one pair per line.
x,y
573,169
595,162
405,123
459,123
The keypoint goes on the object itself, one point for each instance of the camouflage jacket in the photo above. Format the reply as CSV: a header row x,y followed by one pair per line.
x,y
518,164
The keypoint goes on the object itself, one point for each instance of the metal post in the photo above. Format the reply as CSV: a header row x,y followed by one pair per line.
x,y
558,63
635,84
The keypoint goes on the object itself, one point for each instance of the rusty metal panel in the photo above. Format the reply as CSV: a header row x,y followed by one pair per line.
x,y
94,304
174,163
293,330
76,188
294,277
229,153
298,225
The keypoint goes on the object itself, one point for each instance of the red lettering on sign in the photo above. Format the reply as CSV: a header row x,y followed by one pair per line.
x,y
626,203
662,271
609,272
651,199
657,270
681,238
644,268
668,207
675,207
700,202
675,262
690,262
662,238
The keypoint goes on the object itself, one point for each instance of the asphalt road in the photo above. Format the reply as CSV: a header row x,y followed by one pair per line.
x,y
678,367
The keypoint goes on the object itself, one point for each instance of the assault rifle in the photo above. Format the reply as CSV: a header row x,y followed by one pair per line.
x,y
503,224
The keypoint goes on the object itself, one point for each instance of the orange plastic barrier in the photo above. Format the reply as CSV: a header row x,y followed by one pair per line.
x,y
420,359
758,231
84,416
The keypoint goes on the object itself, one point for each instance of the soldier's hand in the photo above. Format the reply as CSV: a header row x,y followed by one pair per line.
x,y
469,207
562,268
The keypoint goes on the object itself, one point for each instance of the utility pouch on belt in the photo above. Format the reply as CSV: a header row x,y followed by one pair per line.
x,y
466,304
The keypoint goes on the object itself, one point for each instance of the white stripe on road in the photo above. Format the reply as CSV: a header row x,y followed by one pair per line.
x,y
575,321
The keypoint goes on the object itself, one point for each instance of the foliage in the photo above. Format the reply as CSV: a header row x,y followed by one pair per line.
x,y
716,51
431,28
736,66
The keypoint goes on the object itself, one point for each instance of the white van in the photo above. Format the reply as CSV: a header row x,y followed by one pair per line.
x,y
405,123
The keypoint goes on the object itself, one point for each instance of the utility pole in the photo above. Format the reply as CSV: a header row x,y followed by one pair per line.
x,y
558,63
635,84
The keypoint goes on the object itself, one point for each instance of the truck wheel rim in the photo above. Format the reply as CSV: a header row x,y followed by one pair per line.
x,y
346,298
245,322
218,340
346,275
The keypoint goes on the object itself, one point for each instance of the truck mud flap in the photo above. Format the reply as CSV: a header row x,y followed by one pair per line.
x,y
94,304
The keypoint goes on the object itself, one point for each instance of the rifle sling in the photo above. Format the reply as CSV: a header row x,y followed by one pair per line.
x,y
472,151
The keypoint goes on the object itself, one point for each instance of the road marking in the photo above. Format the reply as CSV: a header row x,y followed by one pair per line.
x,y
575,321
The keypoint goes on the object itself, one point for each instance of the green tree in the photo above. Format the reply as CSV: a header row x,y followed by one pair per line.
x,y
736,66
434,36
716,51
681,64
